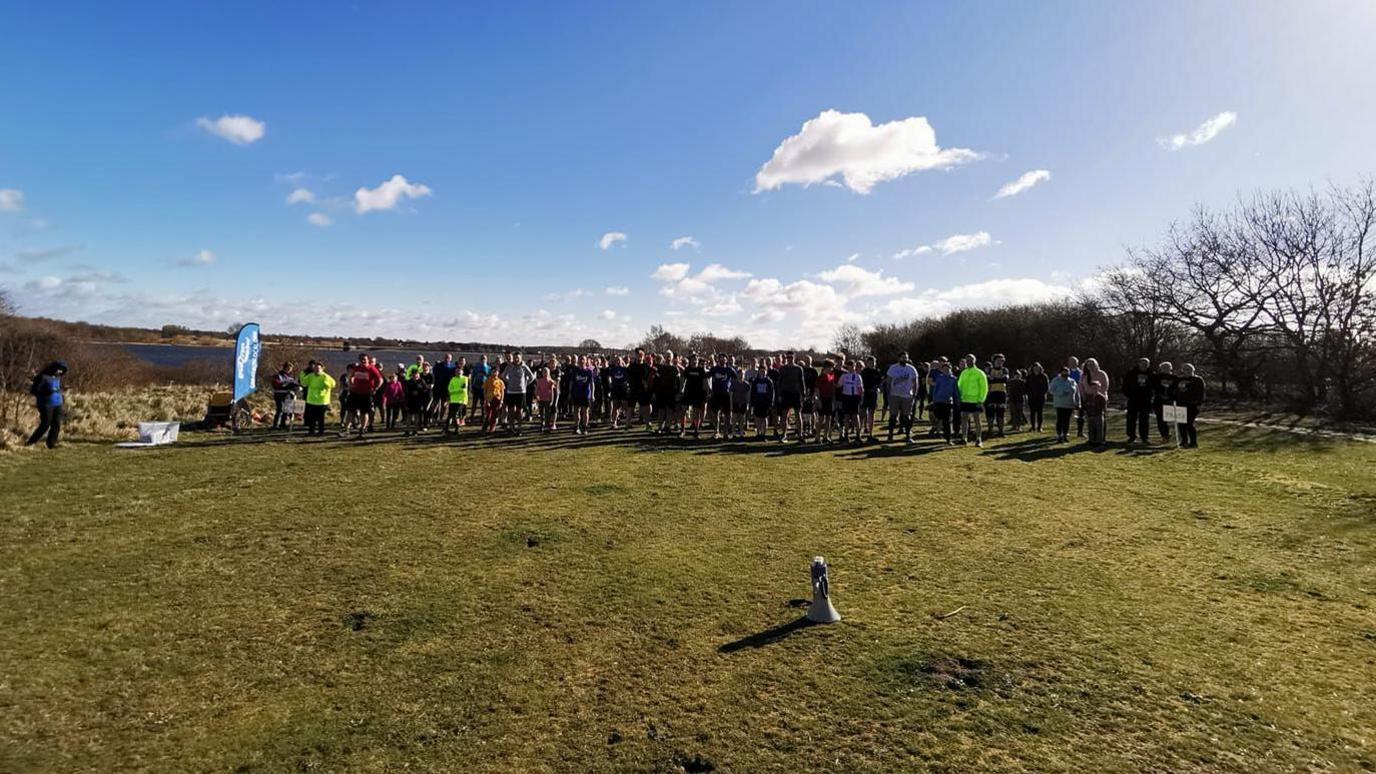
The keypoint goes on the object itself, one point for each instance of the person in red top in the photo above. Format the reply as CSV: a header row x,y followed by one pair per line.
x,y
363,382
826,400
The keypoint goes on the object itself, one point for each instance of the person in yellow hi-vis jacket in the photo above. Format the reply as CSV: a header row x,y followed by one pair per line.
x,y
458,401
318,386
973,385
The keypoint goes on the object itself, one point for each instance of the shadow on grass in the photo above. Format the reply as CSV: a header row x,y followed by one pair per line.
x,y
767,637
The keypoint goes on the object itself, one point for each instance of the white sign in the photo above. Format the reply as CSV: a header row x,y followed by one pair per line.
x,y
1174,414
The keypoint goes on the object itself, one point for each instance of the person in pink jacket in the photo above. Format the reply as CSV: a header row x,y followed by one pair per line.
x,y
1092,373
393,399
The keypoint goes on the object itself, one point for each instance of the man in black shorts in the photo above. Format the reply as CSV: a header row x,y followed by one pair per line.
x,y
637,398
789,386
694,394
722,378
873,379
667,386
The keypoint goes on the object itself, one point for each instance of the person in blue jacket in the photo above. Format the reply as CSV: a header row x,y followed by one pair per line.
x,y
945,397
47,392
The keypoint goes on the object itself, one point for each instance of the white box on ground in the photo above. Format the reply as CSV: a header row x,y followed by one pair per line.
x,y
156,433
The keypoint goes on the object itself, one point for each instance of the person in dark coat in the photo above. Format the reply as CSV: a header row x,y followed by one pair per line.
x,y
49,400
1188,391
1137,388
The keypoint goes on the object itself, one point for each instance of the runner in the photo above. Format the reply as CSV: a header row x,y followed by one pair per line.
x,y
790,385
494,398
761,401
584,394
619,386
901,381
363,381
1017,399
974,388
518,378
638,396
740,401
723,378
826,401
318,385
392,400
694,395
667,386
997,405
418,394
945,398
441,373
852,388
477,375
874,382
458,399
809,397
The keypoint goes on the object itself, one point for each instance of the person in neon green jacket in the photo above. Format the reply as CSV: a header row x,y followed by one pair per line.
x,y
318,386
973,385
458,401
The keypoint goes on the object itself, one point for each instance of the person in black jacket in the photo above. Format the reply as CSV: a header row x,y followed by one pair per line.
x,y
284,385
48,399
1162,383
1137,388
1037,386
1189,392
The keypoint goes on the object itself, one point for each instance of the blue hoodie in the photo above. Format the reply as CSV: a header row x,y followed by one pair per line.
x,y
945,388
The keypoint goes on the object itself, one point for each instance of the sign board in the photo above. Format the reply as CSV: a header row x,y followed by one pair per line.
x,y
1174,414
247,348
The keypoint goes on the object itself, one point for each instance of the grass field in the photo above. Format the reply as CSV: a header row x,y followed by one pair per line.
x,y
616,603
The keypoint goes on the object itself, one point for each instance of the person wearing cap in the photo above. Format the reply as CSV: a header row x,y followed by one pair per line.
x,y
48,399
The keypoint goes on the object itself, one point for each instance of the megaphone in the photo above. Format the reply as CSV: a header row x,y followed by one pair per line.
x,y
821,610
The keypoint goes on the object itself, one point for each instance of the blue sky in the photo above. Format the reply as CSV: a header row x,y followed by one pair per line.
x,y
526,133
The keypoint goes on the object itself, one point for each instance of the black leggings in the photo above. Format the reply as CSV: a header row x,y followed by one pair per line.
x,y
1189,436
1035,406
1063,416
49,424
1139,416
942,412
315,419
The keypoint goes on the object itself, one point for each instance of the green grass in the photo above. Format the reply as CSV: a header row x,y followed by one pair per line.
x,y
552,604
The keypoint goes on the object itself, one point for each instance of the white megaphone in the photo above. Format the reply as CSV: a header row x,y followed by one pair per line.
x,y
821,610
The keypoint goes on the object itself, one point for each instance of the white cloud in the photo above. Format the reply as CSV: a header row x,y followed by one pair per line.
x,y
11,200
715,272
859,282
683,241
567,295
606,314
862,154
319,219
300,196
617,290
852,258
671,272
202,258
955,243
1201,134
724,307
992,293
240,130
610,238
387,195
1026,181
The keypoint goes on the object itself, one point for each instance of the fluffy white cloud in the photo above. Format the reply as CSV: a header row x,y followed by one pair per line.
x,y
716,272
671,272
240,130
300,196
617,290
1024,182
567,295
852,258
611,238
858,282
684,241
1201,134
387,195
862,154
606,314
318,219
201,258
11,200
992,293
955,243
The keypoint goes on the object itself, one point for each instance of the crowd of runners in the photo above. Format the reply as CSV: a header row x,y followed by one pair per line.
x,y
784,398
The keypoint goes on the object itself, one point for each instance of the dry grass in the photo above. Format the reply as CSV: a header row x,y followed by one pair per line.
x,y
612,603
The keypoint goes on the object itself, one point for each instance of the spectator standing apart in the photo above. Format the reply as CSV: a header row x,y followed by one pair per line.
x,y
1017,399
393,401
902,380
1189,392
318,385
1138,384
1095,405
1065,398
945,398
284,385
518,379
1037,388
46,390
791,384
1162,384
974,389
996,406
873,379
